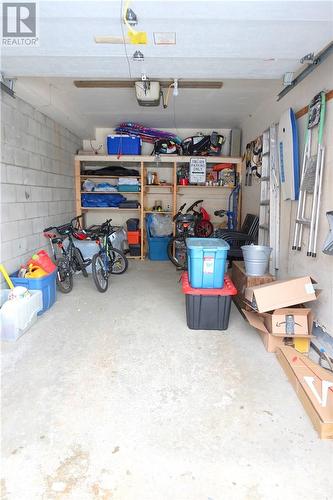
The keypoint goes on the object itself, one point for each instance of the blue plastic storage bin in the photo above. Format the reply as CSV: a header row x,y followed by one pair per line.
x,y
46,284
206,259
157,245
123,145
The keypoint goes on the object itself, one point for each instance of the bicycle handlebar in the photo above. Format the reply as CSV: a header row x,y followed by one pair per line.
x,y
196,203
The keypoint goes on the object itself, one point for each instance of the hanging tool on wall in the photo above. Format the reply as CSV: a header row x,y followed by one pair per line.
x,y
253,160
256,161
248,170
328,245
311,177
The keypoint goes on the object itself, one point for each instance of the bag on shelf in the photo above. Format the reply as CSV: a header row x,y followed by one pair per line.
x,y
102,200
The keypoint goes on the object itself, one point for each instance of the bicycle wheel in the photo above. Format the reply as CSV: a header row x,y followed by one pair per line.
x,y
119,262
100,274
177,252
78,262
203,229
64,279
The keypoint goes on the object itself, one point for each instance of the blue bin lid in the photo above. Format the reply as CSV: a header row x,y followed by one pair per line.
x,y
207,244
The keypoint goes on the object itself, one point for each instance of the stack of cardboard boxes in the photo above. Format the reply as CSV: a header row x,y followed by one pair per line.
x,y
278,313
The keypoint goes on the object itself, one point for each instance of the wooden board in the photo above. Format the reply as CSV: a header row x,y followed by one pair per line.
x,y
304,111
298,366
288,156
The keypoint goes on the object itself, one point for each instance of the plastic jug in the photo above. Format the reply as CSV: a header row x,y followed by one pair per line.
x,y
35,272
43,260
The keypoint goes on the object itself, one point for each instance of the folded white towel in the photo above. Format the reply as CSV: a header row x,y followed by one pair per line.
x,y
130,181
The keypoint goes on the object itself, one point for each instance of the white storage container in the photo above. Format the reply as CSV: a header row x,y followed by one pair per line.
x,y
88,248
119,239
18,315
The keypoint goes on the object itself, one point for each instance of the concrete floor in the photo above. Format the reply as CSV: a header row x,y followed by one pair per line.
x,y
112,397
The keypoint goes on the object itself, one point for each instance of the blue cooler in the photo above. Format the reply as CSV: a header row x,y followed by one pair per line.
x,y
46,284
206,260
123,145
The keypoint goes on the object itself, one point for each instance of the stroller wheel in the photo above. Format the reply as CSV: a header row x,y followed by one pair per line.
x,y
203,229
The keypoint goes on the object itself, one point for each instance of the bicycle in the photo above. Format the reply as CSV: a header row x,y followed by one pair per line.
x,y
70,260
187,225
108,260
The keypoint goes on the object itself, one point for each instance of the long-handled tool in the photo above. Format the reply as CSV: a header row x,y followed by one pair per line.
x,y
311,178
6,276
328,244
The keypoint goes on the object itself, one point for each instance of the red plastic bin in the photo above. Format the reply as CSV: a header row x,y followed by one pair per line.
x,y
133,237
208,308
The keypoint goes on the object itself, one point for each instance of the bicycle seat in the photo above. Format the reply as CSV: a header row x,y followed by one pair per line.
x,y
64,230
56,240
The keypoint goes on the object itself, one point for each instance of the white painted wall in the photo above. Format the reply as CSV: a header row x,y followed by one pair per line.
x,y
297,263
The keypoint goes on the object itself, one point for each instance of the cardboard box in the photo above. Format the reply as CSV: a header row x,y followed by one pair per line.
x,y
289,321
280,294
313,386
272,341
242,281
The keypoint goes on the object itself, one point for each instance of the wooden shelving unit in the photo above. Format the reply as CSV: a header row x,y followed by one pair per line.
x,y
165,165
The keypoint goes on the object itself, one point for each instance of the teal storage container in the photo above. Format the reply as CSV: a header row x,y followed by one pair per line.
x,y
206,261
46,284
128,188
157,245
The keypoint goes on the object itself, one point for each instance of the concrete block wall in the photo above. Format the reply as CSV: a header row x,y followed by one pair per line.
x,y
37,179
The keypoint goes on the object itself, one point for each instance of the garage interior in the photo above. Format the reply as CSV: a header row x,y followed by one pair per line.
x,y
128,394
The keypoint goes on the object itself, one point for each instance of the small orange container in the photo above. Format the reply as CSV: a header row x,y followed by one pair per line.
x,y
133,237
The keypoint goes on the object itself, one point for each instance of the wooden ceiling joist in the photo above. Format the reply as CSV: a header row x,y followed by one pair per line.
x,y
119,84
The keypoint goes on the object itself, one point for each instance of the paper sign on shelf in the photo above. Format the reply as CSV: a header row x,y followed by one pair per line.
x,y
198,170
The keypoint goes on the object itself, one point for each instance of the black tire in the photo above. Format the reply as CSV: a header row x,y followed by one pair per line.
x,y
100,274
177,252
64,279
79,263
119,261
203,229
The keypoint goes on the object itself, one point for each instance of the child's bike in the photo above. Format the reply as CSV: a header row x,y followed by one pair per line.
x,y
108,260
70,259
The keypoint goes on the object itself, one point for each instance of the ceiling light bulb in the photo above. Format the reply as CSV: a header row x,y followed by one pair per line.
x,y
175,87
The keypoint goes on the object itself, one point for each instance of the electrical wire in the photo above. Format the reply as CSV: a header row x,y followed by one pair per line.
x,y
174,117
122,17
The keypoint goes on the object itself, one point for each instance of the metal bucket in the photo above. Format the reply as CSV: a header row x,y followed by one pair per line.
x,y
256,259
